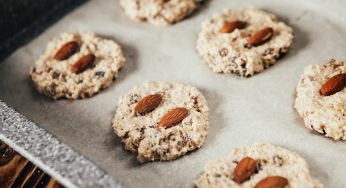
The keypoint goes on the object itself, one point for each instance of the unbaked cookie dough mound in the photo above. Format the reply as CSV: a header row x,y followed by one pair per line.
x,y
258,164
243,42
161,121
77,65
324,114
159,12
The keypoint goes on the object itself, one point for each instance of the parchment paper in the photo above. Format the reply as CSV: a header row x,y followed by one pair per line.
x,y
242,111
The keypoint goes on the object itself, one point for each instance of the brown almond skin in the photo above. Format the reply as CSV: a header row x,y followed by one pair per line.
x,y
260,37
272,182
163,1
173,117
148,103
244,170
229,27
66,51
83,63
334,85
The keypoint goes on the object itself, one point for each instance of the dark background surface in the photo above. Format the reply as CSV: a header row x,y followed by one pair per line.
x,y
16,171
22,20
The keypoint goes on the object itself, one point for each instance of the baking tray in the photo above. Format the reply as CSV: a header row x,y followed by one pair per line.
x,y
242,111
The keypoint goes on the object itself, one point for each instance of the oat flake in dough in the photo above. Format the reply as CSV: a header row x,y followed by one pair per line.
x,y
159,12
324,114
225,52
141,134
55,79
271,161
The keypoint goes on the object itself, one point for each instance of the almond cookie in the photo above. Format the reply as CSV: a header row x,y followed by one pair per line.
x,y
77,65
159,12
161,121
321,98
259,166
243,42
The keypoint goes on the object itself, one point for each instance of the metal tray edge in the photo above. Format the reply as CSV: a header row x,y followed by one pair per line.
x,y
54,157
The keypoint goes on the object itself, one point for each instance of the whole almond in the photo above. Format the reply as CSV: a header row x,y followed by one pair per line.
x,y
66,51
83,63
148,103
173,117
272,182
244,170
334,85
260,37
229,27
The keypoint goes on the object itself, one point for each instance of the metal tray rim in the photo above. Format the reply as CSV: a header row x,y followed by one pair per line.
x,y
68,166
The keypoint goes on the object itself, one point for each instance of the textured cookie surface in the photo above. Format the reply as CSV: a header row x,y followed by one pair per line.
x,y
324,114
58,78
159,12
271,161
228,53
140,132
